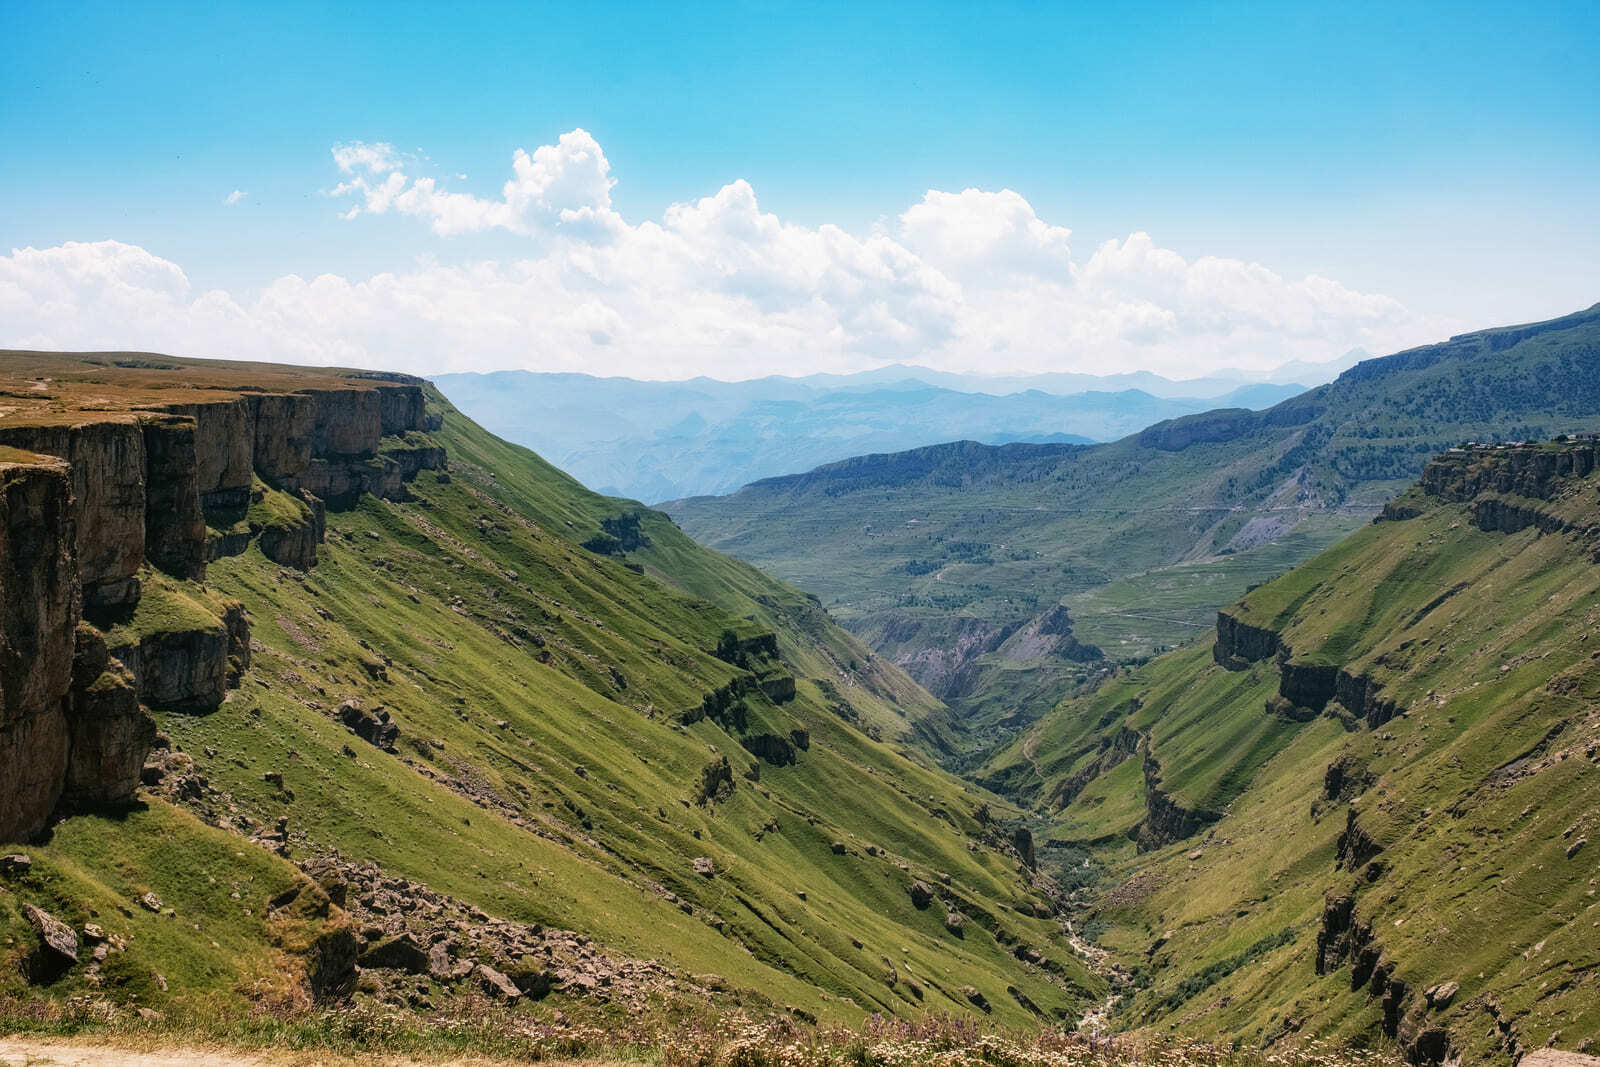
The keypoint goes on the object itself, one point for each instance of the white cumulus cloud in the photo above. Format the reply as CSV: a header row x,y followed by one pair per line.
x,y
971,280
565,186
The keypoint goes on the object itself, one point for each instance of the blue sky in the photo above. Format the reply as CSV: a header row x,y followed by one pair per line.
x,y
1445,156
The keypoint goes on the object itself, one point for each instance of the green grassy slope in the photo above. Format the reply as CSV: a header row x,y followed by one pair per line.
x,y
934,556
552,750
1458,832
807,637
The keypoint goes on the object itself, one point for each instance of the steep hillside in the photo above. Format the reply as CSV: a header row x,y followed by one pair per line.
x,y
436,722
1365,807
660,440
938,556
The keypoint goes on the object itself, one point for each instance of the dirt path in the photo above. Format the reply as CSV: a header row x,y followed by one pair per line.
x,y
18,1052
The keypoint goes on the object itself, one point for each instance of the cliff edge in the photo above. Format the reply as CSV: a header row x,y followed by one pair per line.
x,y
121,476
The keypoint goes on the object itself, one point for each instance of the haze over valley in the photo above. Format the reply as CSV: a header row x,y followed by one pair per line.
x,y
662,440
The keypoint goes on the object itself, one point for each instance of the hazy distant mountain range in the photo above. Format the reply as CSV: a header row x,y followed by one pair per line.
x,y
657,441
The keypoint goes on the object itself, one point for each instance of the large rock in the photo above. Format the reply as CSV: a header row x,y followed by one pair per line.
x,y
109,733
193,667
495,984
331,964
1022,840
39,597
237,622
293,541
400,953
375,727
58,946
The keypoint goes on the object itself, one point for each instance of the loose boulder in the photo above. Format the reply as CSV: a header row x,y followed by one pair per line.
x,y
1441,995
58,946
375,727
494,983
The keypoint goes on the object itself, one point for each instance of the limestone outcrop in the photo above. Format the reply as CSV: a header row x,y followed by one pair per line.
x,y
1528,470
282,434
120,483
1240,644
174,525
1305,689
109,732
39,605
1165,820
224,451
107,464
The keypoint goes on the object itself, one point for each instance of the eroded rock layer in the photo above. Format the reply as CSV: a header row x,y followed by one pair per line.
x,y
119,472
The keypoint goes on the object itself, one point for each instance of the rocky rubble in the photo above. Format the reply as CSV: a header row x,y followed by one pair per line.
x,y
414,946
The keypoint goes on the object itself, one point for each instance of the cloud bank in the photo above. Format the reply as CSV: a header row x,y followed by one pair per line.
x,y
965,281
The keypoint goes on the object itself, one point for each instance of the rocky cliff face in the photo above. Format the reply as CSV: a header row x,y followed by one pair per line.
x,y
1309,687
107,463
39,604
1165,820
1529,470
174,525
1240,644
224,451
93,500
108,731
1509,489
